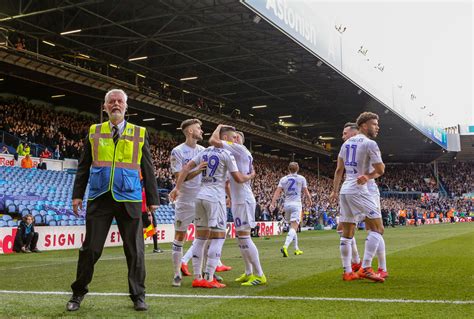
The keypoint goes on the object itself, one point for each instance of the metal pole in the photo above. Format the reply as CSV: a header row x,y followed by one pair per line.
x,y
101,113
318,166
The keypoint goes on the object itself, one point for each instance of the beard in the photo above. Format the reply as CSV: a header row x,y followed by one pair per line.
x,y
116,116
197,137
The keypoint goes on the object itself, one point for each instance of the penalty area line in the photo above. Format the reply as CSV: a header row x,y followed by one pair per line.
x,y
119,294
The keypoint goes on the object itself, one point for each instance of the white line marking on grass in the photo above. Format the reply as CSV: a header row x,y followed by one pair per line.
x,y
457,302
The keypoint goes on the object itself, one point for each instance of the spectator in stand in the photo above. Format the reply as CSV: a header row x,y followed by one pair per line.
x,y
20,149
4,150
41,164
26,238
46,153
26,149
57,153
26,162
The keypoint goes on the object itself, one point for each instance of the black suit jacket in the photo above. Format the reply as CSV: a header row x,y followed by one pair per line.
x,y
41,166
148,173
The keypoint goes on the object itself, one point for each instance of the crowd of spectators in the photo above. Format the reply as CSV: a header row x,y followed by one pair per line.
x,y
458,177
62,132
408,178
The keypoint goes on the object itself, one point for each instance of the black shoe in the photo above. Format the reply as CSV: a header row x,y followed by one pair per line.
x,y
158,250
36,250
74,303
140,305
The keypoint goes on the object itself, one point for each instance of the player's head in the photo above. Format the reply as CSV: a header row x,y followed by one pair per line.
x,y
115,104
350,130
227,133
191,128
239,137
368,124
293,167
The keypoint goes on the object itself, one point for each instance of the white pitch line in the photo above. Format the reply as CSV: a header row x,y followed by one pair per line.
x,y
62,293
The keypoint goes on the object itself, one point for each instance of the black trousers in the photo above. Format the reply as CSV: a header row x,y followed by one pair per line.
x,y
29,241
146,223
100,213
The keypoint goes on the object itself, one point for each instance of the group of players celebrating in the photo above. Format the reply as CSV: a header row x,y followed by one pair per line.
x,y
208,178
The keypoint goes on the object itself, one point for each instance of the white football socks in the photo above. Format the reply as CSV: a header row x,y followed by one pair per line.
x,y
371,244
177,255
213,257
198,252
245,251
381,255
355,252
346,252
189,254
290,236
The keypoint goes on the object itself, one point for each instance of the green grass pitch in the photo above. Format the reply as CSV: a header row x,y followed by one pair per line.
x,y
434,262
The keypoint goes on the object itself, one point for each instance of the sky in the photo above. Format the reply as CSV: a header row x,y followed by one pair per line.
x,y
426,45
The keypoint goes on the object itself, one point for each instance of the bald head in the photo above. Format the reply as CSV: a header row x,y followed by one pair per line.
x,y
350,130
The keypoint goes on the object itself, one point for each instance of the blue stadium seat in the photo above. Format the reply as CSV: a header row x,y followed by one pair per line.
x,y
52,223
38,219
12,223
6,218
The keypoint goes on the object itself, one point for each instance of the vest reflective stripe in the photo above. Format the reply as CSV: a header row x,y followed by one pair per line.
x,y
116,167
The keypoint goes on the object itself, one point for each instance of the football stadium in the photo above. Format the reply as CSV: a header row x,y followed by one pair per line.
x,y
236,159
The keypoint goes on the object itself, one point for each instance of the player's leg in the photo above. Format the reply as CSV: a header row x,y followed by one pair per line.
x,y
295,224
366,206
238,211
348,222
246,221
200,241
217,223
184,214
380,253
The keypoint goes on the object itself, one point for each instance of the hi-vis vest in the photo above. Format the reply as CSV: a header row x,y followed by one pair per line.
x,y
116,168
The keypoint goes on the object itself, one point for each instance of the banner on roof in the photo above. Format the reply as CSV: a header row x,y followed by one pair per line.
x,y
70,237
317,27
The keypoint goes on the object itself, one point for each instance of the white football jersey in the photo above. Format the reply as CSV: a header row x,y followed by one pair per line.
x,y
292,185
371,184
240,192
358,153
219,162
180,156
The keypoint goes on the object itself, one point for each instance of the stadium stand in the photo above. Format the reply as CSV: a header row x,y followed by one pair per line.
x,y
39,193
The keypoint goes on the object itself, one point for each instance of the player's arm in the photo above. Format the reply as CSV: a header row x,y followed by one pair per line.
x,y
201,167
215,139
308,196
227,192
379,170
276,195
181,178
338,173
377,164
242,178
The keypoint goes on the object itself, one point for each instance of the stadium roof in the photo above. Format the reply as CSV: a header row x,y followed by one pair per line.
x,y
218,50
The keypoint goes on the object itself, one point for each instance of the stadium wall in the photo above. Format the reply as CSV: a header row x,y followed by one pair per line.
x,y
55,165
71,237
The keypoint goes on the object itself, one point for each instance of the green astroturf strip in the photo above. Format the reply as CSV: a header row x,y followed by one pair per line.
x,y
425,263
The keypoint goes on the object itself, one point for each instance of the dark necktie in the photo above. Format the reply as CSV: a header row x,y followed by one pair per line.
x,y
115,134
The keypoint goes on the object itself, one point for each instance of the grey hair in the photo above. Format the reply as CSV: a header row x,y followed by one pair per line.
x,y
107,95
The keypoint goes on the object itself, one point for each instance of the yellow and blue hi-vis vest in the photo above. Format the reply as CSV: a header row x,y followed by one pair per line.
x,y
116,167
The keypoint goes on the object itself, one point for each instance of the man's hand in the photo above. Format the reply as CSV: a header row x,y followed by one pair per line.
x,y
228,202
76,202
252,175
334,196
361,180
202,166
173,194
151,208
